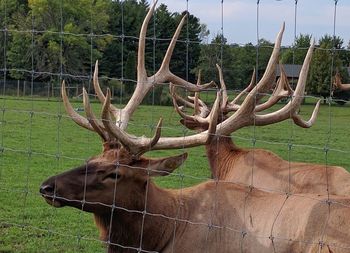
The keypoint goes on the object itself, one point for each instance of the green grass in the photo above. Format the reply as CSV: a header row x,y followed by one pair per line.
x,y
39,145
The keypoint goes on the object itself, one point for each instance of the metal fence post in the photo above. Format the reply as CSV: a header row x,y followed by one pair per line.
x,y
24,88
17,88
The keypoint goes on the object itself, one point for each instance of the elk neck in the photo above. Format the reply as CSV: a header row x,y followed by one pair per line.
x,y
222,153
127,228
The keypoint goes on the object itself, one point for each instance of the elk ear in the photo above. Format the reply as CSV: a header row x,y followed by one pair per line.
x,y
164,166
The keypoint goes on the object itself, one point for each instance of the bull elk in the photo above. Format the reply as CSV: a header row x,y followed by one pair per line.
x,y
258,167
337,83
134,215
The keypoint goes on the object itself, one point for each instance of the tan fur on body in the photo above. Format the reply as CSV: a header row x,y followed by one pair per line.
x,y
209,217
305,220
265,170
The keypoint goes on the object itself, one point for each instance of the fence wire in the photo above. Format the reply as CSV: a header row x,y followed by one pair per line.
x,y
28,157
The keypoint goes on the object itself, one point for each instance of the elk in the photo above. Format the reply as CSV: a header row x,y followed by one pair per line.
x,y
337,83
258,167
135,215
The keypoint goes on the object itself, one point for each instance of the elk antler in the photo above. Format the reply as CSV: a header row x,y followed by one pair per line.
x,y
337,84
282,90
196,139
201,111
247,113
233,105
112,132
145,83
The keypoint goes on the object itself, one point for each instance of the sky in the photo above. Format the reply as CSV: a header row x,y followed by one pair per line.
x,y
315,17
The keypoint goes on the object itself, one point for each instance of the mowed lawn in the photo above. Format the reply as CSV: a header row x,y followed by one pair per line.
x,y
38,140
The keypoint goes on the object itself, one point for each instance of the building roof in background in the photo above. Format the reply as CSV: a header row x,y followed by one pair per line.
x,y
292,70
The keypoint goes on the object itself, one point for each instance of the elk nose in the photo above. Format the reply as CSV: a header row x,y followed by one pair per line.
x,y
46,189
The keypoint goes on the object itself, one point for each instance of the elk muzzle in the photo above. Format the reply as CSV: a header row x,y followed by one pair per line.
x,y
48,191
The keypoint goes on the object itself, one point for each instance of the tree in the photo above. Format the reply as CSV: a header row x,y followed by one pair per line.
x,y
297,53
321,72
237,61
11,13
48,49
186,56
125,23
244,64
203,36
211,55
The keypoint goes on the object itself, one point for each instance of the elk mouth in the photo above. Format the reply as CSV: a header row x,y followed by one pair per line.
x,y
48,193
53,201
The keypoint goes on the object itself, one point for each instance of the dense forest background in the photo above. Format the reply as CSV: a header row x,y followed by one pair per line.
x,y
48,39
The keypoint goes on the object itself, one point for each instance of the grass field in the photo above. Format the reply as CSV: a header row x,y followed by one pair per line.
x,y
36,142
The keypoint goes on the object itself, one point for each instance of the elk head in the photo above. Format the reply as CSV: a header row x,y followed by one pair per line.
x,y
114,178
118,175
338,85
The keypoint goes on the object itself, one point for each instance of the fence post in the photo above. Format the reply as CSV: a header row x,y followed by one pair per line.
x,y
52,91
48,91
24,87
17,88
77,90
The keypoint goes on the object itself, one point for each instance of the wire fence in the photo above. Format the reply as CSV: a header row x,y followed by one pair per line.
x,y
39,140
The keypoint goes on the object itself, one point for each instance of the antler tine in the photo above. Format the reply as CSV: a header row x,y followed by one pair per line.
x,y
122,116
99,92
196,95
136,146
245,114
164,73
144,83
196,139
141,69
291,109
223,88
202,107
179,98
233,105
76,117
268,78
94,122
200,117
176,106
282,90
245,91
213,115
286,81
307,124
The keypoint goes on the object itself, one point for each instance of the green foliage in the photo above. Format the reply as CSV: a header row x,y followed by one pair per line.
x,y
210,56
108,30
120,56
320,74
45,50
237,62
296,54
325,62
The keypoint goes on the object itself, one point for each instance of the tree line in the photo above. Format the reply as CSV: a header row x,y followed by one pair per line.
x,y
53,37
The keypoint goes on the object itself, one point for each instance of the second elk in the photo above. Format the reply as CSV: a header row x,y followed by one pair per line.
x,y
258,167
